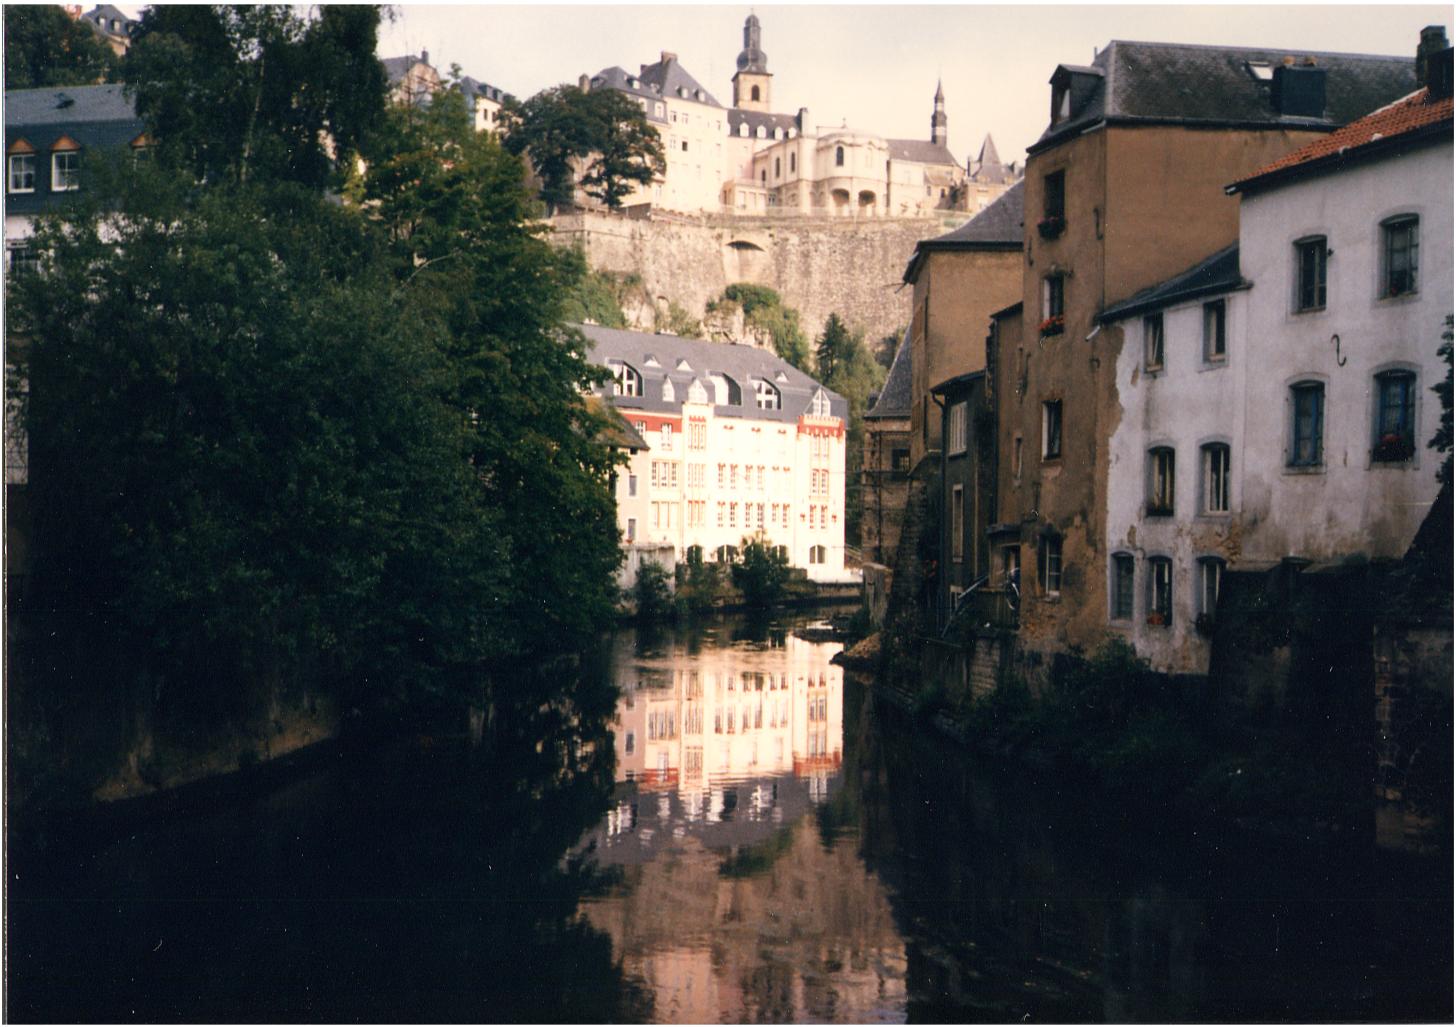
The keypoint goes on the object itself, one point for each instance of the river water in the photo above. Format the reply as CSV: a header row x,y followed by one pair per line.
x,y
737,833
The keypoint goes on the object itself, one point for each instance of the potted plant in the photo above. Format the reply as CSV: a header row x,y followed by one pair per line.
x,y
1156,619
1053,325
1051,226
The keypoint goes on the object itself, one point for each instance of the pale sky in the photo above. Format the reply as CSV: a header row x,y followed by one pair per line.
x,y
875,67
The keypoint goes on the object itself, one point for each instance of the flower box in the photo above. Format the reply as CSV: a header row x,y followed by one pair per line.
x,y
1051,227
1157,620
1053,326
1393,449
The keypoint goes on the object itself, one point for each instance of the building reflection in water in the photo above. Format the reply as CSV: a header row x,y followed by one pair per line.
x,y
733,905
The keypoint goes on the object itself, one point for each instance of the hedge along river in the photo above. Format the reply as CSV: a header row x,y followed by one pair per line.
x,y
739,833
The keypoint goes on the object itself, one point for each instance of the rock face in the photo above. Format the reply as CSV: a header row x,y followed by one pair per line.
x,y
818,265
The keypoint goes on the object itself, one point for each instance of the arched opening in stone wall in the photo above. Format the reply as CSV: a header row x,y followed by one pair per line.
x,y
745,261
841,200
866,201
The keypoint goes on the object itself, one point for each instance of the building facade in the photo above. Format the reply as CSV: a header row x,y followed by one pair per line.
x,y
886,465
742,446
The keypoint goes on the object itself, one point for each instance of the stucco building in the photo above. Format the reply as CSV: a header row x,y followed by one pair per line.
x,y
742,445
1125,190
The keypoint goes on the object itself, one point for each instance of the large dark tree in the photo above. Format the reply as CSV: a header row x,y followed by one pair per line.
x,y
46,47
237,93
845,365
601,136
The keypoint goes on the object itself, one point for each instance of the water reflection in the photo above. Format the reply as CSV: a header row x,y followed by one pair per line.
x,y
733,903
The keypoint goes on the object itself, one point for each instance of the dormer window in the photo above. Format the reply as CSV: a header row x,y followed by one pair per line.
x,y
626,380
65,171
683,365
1260,71
1061,104
743,129
767,396
21,169
651,361
820,406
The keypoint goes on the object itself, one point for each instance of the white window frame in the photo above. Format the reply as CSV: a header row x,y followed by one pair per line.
x,y
67,180
1215,332
956,429
1049,564
10,173
1217,480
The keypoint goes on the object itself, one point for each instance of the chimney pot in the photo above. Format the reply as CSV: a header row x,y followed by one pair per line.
x,y
424,57
1433,41
668,56
584,83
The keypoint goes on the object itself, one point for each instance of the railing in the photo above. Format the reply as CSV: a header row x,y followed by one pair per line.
x,y
986,606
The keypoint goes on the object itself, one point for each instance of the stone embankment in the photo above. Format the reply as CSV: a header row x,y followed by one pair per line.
x,y
818,265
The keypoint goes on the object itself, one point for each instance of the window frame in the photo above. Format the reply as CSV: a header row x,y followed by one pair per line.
x,y
1411,225
1054,194
10,169
71,176
1124,571
1216,483
1154,343
1216,565
1317,294
1052,425
1402,449
1314,388
1053,295
955,429
1049,566
958,524
1160,591
1215,344
1162,483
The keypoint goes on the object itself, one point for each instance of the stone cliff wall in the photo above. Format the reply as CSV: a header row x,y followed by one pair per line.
x,y
819,266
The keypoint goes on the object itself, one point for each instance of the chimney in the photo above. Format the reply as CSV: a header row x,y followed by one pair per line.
x,y
668,57
424,57
803,120
584,83
1433,41
1299,90
1439,75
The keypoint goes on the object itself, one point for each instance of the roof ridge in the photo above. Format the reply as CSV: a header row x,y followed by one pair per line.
x,y
1259,49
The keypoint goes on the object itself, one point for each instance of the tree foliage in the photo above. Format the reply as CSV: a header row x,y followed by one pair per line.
x,y
46,47
761,573
1441,442
234,93
601,135
764,310
845,365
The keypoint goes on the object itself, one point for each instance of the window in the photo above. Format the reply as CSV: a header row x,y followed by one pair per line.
x,y
1054,198
1122,586
1049,564
1210,578
816,554
66,171
631,484
1051,429
1160,591
957,523
1011,564
956,430
754,93
1306,447
626,381
1053,296
839,156
767,395
1153,342
631,529
1402,240
1216,478
900,461
1215,341
1395,432
667,437
23,259
1309,291
22,173
819,407
1160,481
778,167
1016,457
793,162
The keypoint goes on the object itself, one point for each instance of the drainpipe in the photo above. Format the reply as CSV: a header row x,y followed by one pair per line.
x,y
944,530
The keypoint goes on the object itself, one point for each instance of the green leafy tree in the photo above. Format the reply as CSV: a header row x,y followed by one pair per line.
x,y
1441,442
761,573
477,278
627,151
845,365
651,594
834,349
764,310
236,93
886,348
46,47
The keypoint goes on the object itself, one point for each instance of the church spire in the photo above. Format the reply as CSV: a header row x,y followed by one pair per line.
x,y
938,119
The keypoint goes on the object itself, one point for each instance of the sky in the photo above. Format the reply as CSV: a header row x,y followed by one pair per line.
x,y
875,67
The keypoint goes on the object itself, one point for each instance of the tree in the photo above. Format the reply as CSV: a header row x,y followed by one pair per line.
x,y
628,151
1441,441
765,311
46,47
760,573
235,93
834,349
887,347
846,366
601,135
475,276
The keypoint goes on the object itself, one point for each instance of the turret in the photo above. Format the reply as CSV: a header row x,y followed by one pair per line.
x,y
938,120
752,80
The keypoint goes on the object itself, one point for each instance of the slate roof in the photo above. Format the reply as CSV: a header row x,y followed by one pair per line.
x,y
1398,124
618,431
1213,274
998,227
102,16
96,117
741,363
989,168
670,78
1213,85
474,87
921,151
894,398
396,68
738,116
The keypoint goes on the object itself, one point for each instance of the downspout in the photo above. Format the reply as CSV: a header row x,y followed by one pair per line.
x,y
940,584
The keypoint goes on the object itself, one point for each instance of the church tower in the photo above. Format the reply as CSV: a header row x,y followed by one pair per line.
x,y
752,80
937,120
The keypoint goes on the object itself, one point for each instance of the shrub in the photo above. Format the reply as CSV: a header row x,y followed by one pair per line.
x,y
652,594
761,573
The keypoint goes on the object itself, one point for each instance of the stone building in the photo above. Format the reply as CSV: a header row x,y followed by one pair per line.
x,y
743,445
748,160
413,80
1126,190
111,24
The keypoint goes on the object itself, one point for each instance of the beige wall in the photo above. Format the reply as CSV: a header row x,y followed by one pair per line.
x,y
955,294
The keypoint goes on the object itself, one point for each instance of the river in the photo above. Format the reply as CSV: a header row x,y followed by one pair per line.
x,y
738,833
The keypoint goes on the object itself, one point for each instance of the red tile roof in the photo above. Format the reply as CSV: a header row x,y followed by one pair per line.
x,y
1407,115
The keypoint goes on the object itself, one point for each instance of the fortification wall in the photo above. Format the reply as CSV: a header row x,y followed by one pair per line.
x,y
818,265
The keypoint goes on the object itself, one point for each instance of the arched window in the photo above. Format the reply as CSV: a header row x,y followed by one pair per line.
x,y
743,129
669,394
1160,481
753,93
767,396
816,554
761,132
1216,478
839,156
778,168
1395,416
